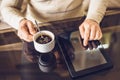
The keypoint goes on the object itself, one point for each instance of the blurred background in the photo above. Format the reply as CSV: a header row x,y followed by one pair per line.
x,y
10,52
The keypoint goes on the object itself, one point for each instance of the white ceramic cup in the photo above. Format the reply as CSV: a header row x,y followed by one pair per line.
x,y
47,47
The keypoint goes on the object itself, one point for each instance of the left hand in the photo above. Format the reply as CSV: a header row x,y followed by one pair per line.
x,y
90,30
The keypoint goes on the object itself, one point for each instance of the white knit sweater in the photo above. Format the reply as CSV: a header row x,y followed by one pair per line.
x,y
51,10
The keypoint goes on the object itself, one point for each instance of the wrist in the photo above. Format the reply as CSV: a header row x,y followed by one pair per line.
x,y
92,20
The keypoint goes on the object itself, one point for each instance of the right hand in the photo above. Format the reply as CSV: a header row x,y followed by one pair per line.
x,y
26,30
90,30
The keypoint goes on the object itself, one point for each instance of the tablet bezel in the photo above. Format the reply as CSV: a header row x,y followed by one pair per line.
x,y
74,74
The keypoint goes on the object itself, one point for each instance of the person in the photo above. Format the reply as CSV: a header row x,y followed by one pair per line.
x,y
22,17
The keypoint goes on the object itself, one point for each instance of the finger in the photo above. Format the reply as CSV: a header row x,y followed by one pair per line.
x,y
97,42
94,44
31,27
82,45
92,33
25,34
90,46
97,36
82,30
100,36
86,35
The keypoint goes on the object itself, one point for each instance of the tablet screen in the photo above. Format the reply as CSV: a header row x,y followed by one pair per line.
x,y
84,58
81,60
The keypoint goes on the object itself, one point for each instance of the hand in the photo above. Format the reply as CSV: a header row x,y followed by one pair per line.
x,y
26,30
90,30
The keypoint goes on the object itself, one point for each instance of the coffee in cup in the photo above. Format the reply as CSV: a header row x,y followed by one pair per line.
x,y
44,41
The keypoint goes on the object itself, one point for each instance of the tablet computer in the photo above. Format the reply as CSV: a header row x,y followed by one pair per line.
x,y
81,61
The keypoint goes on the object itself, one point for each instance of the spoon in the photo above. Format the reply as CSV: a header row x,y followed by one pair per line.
x,y
38,28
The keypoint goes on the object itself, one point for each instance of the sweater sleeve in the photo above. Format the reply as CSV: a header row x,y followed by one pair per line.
x,y
11,12
96,10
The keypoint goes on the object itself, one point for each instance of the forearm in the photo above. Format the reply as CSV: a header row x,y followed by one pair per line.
x,y
11,12
97,9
